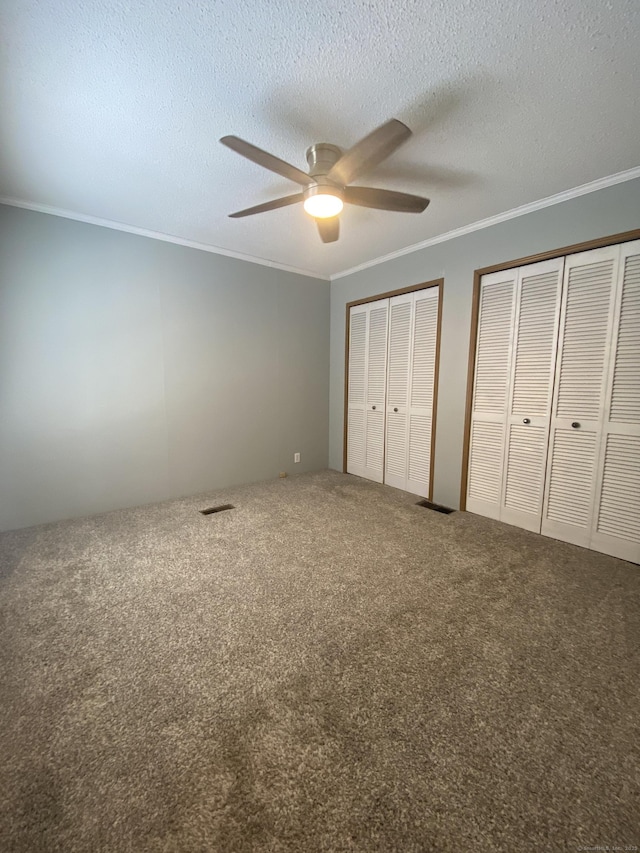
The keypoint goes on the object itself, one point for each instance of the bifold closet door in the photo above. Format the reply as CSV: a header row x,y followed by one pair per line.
x,y
536,316
617,513
490,393
555,426
515,363
584,344
367,389
593,482
413,330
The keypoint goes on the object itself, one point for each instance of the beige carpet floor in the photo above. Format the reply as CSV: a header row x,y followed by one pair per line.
x,y
327,667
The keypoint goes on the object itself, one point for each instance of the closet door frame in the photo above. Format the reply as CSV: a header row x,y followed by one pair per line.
x,y
439,283
624,237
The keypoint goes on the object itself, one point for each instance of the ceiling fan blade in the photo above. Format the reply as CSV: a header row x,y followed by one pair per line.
x,y
370,151
268,205
266,160
329,229
385,199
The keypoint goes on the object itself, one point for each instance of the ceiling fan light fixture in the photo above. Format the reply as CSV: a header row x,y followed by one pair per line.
x,y
323,205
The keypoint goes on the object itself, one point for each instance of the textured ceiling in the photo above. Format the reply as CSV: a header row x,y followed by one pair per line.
x,y
114,109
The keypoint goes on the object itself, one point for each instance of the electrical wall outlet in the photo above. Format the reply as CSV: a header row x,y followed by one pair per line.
x,y
296,457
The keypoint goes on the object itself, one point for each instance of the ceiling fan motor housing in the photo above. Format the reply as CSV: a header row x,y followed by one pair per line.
x,y
321,157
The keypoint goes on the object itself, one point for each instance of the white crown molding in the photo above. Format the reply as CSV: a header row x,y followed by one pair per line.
x,y
155,235
567,195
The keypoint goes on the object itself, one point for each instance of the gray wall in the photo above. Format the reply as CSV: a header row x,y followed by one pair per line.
x,y
133,370
608,211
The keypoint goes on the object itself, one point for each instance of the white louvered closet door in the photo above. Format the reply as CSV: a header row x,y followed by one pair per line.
x,y
413,329
400,334
491,392
358,317
367,389
537,311
616,527
581,370
422,377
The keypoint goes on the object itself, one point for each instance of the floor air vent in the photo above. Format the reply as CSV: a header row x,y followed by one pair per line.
x,y
437,507
213,509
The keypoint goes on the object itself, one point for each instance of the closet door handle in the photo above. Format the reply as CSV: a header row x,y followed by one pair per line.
x,y
374,408
395,410
575,424
526,420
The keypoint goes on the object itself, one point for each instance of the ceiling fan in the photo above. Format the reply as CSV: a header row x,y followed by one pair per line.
x,y
326,186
